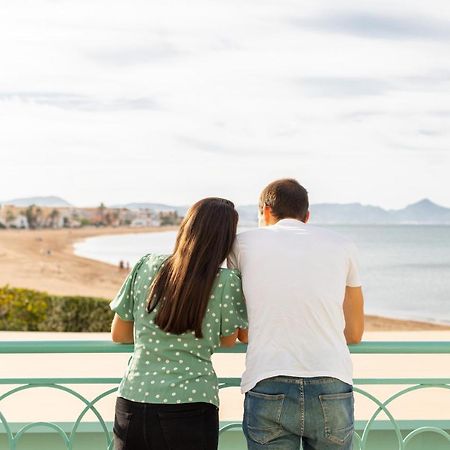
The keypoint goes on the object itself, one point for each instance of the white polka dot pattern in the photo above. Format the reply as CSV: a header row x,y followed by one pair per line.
x,y
175,361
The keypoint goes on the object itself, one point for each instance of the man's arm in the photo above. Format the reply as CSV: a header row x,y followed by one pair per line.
x,y
353,314
122,330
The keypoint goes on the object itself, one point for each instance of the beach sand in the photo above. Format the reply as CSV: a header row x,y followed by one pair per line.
x,y
25,261
44,260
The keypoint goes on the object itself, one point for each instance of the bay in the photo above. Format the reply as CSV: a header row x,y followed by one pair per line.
x,y
405,268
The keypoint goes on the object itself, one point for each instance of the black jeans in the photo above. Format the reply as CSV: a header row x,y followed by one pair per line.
x,y
150,426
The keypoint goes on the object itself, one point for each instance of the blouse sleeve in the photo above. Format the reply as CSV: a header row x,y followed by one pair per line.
x,y
123,302
233,310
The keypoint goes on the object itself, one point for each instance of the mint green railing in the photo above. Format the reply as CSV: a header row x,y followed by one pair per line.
x,y
360,441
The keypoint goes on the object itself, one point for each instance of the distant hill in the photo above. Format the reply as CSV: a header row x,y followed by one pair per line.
x,y
424,212
38,201
421,213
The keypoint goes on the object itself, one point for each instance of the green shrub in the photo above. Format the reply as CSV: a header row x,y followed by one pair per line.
x,y
29,310
22,309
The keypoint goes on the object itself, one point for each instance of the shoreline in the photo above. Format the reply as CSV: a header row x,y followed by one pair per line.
x,y
26,263
44,260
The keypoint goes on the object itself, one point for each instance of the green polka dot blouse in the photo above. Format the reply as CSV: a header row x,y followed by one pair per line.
x,y
170,368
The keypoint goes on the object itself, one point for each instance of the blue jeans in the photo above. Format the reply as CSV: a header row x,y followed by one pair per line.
x,y
281,413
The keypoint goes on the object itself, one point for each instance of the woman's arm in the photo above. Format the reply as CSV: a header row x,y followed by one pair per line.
x,y
243,335
230,341
122,330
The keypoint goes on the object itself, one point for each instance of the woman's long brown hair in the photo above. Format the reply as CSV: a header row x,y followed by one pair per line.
x,y
183,285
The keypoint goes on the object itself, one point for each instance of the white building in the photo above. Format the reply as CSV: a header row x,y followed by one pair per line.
x,y
19,222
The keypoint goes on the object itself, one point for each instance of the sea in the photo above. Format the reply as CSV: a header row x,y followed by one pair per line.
x,y
405,268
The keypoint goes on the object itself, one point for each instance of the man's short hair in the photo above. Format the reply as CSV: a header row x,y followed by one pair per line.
x,y
287,198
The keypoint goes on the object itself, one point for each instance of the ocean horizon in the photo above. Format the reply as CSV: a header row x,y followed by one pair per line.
x,y
405,268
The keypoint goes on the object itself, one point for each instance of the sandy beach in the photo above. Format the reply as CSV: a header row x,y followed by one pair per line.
x,y
44,260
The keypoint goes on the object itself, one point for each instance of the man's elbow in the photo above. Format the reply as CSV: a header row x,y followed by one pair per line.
x,y
353,336
354,339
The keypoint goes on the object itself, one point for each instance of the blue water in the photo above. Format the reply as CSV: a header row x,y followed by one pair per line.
x,y
405,269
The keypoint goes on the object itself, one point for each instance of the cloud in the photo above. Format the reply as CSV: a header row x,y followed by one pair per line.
x,y
430,133
378,26
205,145
244,149
343,86
136,55
80,102
443,113
337,87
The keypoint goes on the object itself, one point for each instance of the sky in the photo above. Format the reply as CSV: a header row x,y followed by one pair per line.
x,y
162,101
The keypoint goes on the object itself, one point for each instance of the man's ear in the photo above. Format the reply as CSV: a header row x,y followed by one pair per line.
x,y
267,213
307,216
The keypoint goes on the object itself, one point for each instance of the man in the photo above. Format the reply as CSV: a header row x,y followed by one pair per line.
x,y
304,304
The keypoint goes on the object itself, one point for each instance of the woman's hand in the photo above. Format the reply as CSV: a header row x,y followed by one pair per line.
x,y
230,341
122,330
243,335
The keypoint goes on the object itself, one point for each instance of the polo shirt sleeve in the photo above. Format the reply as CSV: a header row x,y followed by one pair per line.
x,y
353,276
123,302
233,311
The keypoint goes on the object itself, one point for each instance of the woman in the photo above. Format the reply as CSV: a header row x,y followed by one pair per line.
x,y
177,310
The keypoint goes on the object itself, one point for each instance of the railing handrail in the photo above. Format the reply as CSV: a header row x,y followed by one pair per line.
x,y
105,346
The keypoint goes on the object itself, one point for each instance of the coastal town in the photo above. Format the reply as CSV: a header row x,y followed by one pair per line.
x,y
45,217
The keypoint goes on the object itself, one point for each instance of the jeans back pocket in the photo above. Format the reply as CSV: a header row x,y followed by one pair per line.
x,y
338,416
262,416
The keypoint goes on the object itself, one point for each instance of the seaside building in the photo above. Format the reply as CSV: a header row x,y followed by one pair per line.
x,y
13,217
145,217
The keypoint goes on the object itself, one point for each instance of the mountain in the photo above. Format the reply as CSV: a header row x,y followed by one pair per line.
x,y
38,201
424,212
351,213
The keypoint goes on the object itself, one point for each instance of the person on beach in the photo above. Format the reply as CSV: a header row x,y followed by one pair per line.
x,y
305,304
177,310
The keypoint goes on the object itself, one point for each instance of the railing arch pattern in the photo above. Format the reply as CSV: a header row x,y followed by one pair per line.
x,y
61,384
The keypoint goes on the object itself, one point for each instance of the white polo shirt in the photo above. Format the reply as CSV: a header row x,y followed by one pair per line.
x,y
294,277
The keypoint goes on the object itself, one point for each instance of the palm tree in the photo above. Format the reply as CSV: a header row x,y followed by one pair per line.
x,y
31,216
101,211
53,216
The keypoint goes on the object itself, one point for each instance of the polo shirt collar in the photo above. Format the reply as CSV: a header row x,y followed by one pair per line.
x,y
290,223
